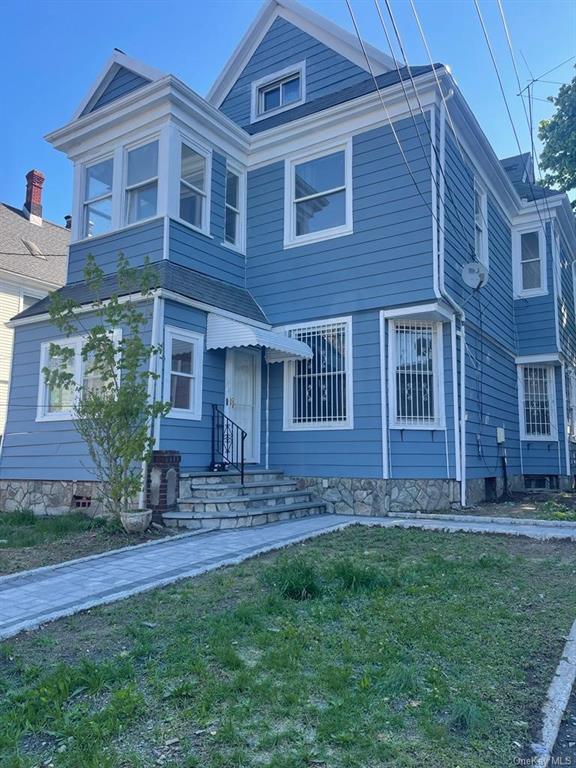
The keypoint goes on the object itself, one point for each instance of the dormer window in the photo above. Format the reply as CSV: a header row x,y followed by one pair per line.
x,y
142,183
277,92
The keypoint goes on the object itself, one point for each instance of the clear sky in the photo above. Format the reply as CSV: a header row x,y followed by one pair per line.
x,y
52,50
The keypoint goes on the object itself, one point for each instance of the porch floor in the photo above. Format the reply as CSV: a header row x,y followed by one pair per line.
x,y
31,598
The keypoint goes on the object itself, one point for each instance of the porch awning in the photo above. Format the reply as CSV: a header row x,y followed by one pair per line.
x,y
223,333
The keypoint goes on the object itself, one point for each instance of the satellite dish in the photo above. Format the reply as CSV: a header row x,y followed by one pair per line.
x,y
475,275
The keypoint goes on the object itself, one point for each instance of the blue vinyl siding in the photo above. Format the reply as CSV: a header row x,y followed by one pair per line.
x,y
285,44
535,317
336,453
207,254
193,438
427,453
386,261
543,457
44,450
124,81
136,243
566,308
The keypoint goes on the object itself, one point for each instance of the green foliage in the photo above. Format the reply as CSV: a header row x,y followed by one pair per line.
x,y
295,578
558,135
25,529
112,409
466,717
355,576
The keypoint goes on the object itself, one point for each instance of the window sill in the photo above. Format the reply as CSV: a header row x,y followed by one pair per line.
x,y
234,248
440,427
327,234
55,417
318,427
531,294
185,415
187,224
256,118
539,438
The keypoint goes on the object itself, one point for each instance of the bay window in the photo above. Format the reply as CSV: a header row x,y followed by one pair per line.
x,y
415,371
192,187
142,183
318,391
233,222
183,356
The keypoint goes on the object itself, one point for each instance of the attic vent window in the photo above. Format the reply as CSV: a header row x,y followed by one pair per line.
x,y
277,92
33,248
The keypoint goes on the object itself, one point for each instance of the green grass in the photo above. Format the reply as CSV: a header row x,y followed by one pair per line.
x,y
363,648
24,529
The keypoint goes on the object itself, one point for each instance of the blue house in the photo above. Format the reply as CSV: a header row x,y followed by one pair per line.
x,y
346,271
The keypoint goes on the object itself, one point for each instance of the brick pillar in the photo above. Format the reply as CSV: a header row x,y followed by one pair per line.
x,y
162,483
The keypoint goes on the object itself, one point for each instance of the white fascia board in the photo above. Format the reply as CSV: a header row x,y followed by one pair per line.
x,y
116,60
431,311
324,30
15,280
549,357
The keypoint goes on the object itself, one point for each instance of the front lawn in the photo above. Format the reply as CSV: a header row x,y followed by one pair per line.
x,y
359,649
30,541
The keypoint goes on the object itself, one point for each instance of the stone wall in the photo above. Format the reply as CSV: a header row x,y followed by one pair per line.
x,y
49,497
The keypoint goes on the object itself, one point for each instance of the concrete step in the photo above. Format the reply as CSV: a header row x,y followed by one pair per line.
x,y
220,490
237,503
258,516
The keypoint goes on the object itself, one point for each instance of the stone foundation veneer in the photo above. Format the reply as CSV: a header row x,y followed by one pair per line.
x,y
48,497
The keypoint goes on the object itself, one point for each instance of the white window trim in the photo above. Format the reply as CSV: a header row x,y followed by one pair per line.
x,y
570,415
85,202
257,85
288,424
291,240
480,190
125,188
437,374
197,340
551,373
240,246
206,153
77,343
519,292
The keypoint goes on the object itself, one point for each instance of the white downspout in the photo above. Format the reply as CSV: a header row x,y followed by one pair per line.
x,y
460,440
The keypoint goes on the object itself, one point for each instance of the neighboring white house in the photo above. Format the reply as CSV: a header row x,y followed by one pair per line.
x,y
33,262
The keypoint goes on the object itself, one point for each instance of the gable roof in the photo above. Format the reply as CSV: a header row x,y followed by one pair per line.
x,y
118,61
30,250
171,277
318,26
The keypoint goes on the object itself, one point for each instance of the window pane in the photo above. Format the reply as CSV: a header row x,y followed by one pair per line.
x,y
98,217
181,387
192,167
59,398
530,246
142,163
320,213
531,275
191,206
232,189
291,91
99,179
182,356
230,233
271,99
27,301
319,175
142,202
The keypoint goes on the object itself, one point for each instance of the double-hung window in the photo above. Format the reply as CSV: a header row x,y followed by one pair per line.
x,y
232,226
530,263
415,370
193,187
142,182
319,197
480,224
318,391
97,205
278,91
183,356
571,403
537,402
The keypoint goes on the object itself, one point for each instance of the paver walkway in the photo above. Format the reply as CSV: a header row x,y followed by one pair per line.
x,y
33,597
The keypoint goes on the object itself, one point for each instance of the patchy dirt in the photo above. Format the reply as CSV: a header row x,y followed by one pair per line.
x,y
541,505
14,559
565,749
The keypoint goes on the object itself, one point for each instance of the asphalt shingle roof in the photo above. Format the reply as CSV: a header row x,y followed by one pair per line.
x,y
172,277
31,250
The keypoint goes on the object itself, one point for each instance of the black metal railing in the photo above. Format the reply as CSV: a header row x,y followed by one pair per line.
x,y
227,443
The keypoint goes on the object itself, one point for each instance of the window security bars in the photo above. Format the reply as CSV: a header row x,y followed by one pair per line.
x,y
319,392
415,379
537,384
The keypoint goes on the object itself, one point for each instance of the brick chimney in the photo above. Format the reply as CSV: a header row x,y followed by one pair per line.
x,y
33,204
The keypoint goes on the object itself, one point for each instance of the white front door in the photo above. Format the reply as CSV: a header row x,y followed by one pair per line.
x,y
242,403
